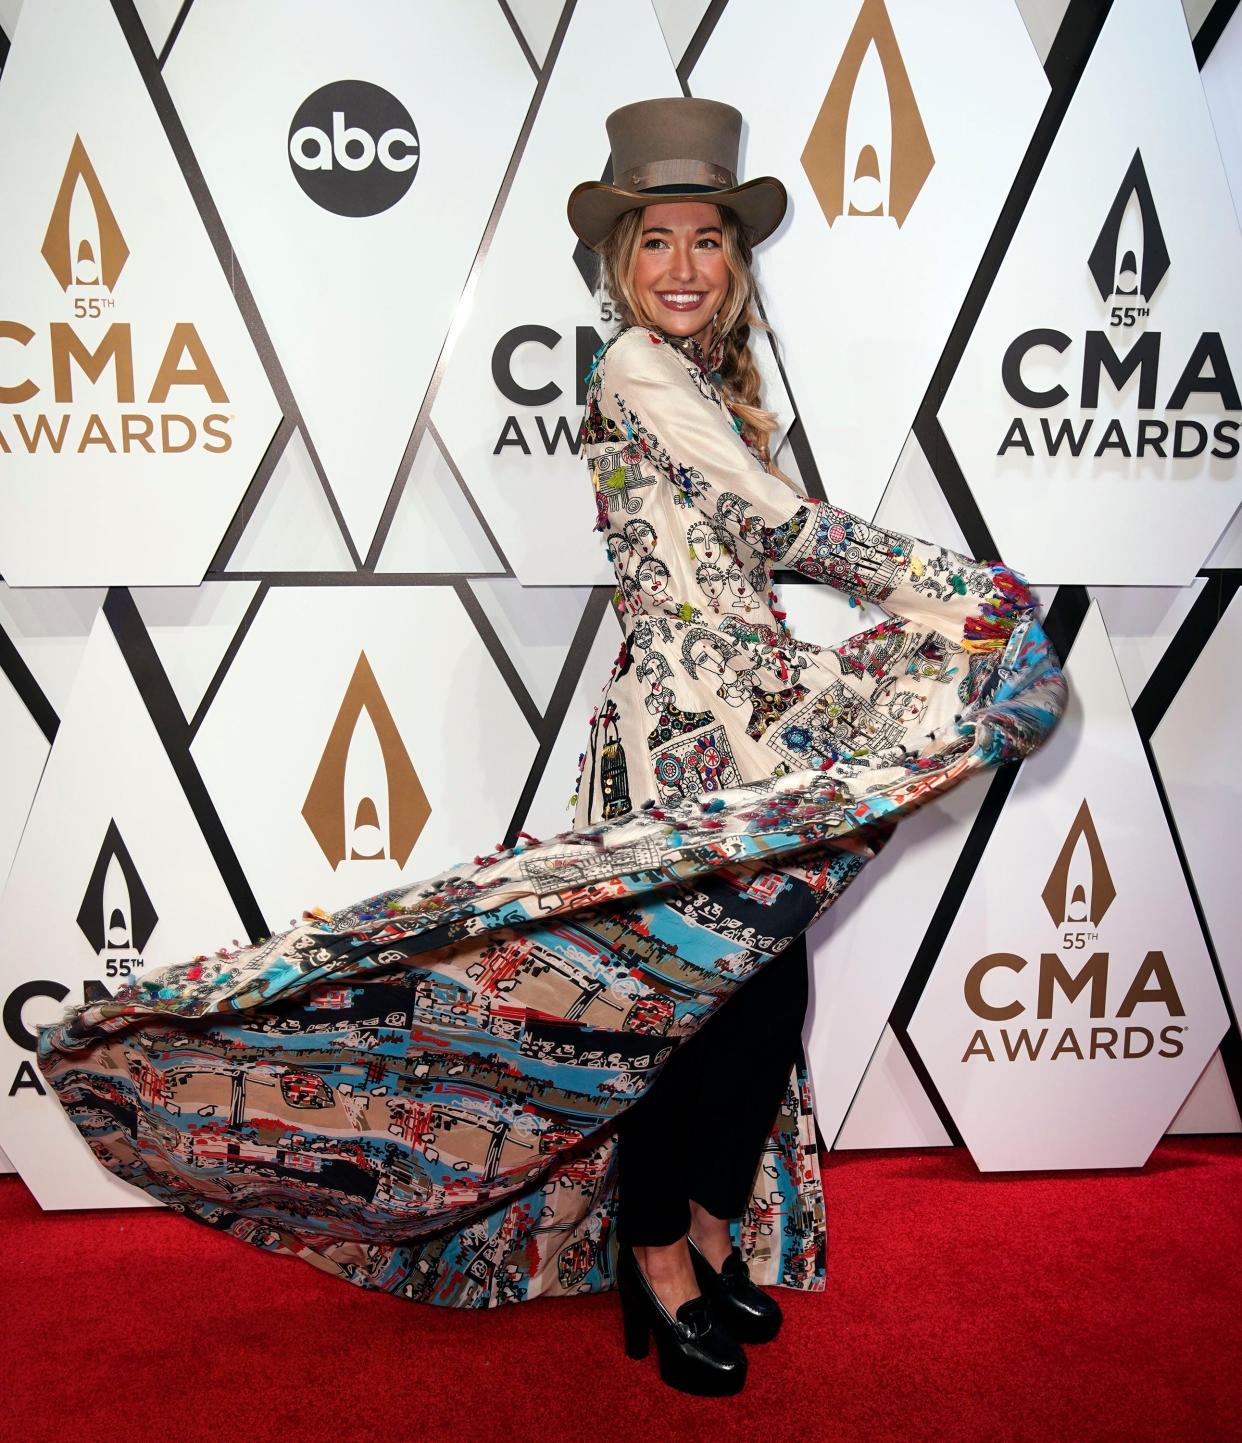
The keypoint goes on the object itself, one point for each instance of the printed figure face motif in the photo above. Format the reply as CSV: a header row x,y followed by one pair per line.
x,y
641,536
654,668
703,538
707,658
619,549
629,590
902,705
711,579
653,578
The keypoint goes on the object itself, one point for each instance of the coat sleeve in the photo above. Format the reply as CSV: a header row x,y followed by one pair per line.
x,y
651,395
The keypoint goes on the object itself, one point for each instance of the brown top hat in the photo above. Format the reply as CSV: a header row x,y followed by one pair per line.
x,y
682,148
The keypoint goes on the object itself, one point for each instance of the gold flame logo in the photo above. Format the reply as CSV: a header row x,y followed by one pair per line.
x,y
365,802
83,245
1079,887
868,153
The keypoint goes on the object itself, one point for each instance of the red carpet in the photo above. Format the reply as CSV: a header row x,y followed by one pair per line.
x,y
1056,1308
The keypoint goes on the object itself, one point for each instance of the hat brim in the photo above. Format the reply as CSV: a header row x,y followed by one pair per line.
x,y
594,206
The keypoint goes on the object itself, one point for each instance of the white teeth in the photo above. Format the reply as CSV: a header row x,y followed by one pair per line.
x,y
681,297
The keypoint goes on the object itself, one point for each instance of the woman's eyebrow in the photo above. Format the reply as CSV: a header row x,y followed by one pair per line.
x,y
665,230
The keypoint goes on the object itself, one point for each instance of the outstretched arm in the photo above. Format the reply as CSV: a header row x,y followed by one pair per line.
x,y
648,392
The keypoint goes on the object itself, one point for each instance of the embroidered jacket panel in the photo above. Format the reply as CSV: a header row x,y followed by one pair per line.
x,y
711,689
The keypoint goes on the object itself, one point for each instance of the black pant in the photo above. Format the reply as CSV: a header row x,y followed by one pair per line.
x,y
700,1130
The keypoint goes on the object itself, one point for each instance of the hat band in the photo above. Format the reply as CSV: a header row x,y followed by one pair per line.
x,y
660,174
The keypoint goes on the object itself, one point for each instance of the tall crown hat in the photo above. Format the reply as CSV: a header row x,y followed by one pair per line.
x,y
680,148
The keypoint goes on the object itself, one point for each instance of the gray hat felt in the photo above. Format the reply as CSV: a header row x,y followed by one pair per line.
x,y
680,148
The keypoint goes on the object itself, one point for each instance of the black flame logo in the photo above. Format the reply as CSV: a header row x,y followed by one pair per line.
x,y
116,914
1129,257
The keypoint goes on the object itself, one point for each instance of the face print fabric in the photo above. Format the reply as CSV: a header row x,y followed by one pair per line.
x,y
416,1093
710,688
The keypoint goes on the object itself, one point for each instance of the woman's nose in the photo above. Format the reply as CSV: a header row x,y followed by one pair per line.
x,y
681,265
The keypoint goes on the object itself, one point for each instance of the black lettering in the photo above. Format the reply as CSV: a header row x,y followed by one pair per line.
x,y
1099,355
574,438
1200,433
19,1034
27,1077
1230,441
502,366
1016,436
1156,442
1113,439
1065,432
1219,383
514,439
1011,367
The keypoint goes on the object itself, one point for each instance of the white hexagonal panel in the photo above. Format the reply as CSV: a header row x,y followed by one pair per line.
x,y
133,407
355,165
1095,411
1074,1004
361,738
869,112
112,874
1204,720
510,400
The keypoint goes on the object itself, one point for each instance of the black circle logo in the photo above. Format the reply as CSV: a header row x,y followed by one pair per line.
x,y
353,148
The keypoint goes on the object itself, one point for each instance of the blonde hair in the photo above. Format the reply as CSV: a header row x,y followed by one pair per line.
x,y
737,317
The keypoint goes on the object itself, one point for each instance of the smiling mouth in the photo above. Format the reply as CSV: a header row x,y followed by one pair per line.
x,y
681,300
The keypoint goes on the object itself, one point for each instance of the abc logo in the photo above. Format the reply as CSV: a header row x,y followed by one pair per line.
x,y
353,148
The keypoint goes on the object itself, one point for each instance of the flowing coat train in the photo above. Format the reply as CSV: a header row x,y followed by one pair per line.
x,y
416,1093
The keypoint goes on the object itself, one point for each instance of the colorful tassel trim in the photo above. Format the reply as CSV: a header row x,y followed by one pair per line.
x,y
991,629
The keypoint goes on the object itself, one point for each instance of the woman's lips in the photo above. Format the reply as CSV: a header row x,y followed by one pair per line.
x,y
681,300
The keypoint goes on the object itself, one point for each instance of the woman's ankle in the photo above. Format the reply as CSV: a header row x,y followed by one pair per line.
x,y
711,1235
669,1271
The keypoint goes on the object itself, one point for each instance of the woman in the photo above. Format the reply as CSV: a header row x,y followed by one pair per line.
x,y
431,1092
671,410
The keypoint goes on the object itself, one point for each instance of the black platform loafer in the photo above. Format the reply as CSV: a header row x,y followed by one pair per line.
x,y
697,1355
742,1306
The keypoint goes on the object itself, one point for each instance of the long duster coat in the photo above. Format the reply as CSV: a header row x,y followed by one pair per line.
x,y
418,1093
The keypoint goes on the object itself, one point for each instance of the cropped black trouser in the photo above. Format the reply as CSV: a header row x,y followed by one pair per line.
x,y
699,1132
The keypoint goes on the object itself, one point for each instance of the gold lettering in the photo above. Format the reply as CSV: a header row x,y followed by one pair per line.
x,y
185,338
95,433
23,335
1054,973
68,346
1154,967
135,420
978,1047
973,986
42,427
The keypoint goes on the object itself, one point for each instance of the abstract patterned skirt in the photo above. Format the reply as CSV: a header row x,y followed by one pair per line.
x,y
418,1093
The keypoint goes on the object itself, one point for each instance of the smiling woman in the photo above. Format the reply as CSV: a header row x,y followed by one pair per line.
x,y
525,1076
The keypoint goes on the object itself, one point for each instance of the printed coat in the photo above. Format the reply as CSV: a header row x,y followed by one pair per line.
x,y
417,1093
711,688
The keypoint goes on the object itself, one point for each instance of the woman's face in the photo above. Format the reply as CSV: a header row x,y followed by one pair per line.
x,y
680,272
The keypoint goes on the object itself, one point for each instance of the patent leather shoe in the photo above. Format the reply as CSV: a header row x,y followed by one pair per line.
x,y
743,1307
697,1354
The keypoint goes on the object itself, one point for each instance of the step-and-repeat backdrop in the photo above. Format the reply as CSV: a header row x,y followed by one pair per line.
x,y
301,597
